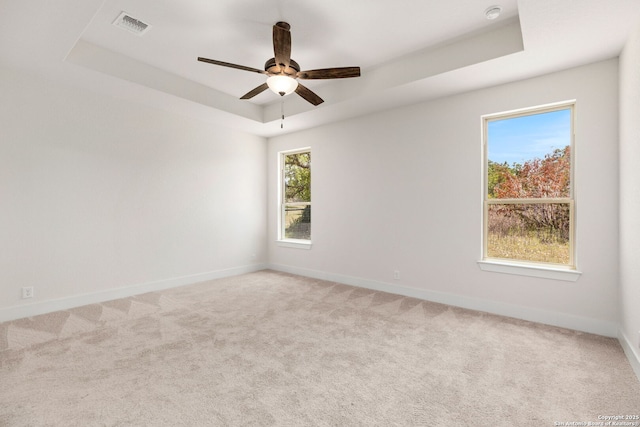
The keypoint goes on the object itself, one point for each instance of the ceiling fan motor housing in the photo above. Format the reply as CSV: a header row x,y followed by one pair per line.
x,y
272,68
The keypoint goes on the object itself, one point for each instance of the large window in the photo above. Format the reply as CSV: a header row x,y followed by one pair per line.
x,y
295,204
529,210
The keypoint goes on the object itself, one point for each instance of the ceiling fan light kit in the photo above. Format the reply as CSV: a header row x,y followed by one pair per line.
x,y
282,84
283,72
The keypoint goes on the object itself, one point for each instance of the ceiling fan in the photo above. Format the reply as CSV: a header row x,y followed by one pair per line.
x,y
284,72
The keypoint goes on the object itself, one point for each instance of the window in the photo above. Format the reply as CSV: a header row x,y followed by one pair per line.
x,y
529,210
295,203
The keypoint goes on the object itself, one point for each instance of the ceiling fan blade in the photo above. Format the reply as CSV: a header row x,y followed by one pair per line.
x,y
255,91
308,95
230,65
282,44
330,73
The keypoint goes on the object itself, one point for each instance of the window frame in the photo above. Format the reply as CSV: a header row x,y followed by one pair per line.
x,y
527,267
282,204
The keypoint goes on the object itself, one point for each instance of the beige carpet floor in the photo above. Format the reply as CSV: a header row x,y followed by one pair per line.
x,y
269,348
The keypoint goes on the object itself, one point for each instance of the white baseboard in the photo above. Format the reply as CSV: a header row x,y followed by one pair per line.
x,y
569,321
43,307
632,352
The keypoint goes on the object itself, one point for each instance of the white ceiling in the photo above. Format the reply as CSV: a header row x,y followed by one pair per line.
x,y
409,50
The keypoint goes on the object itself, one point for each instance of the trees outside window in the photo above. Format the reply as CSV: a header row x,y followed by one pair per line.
x,y
295,212
528,202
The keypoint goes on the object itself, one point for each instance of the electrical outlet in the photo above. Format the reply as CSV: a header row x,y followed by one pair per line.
x,y
27,292
396,274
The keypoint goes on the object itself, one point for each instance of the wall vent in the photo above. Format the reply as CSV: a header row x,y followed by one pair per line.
x,y
132,24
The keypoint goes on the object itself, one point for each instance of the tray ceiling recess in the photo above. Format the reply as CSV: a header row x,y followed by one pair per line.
x,y
407,55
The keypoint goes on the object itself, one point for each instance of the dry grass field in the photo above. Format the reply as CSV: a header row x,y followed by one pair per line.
x,y
527,246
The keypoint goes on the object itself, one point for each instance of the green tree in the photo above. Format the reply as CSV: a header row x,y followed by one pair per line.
x,y
497,173
297,177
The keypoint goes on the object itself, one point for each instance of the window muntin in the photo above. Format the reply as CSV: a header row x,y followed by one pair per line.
x,y
529,208
295,204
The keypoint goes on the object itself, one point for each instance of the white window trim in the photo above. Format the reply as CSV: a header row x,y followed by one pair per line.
x,y
532,270
284,242
294,243
523,268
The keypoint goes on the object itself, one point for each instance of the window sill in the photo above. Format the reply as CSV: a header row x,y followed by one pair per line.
x,y
555,273
293,243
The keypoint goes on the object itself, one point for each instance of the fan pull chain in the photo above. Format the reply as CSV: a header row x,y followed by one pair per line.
x,y
282,113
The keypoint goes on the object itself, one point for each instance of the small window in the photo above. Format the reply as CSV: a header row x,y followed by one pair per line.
x,y
529,210
295,204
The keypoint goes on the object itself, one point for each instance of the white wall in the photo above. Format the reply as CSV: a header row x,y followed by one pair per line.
x,y
401,190
101,197
630,195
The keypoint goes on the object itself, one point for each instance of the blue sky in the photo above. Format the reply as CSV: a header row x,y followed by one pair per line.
x,y
516,140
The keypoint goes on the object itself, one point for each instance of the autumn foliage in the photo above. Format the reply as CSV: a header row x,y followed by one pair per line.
x,y
547,178
537,178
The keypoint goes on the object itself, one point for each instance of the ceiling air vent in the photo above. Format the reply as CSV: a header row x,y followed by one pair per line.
x,y
132,24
